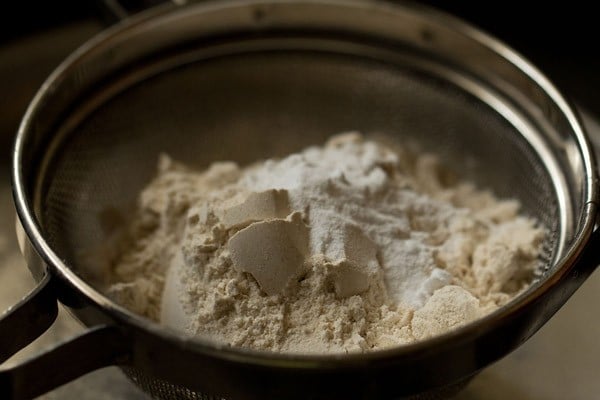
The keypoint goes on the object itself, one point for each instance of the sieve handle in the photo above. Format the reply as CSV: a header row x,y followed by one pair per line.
x,y
28,319
590,259
98,347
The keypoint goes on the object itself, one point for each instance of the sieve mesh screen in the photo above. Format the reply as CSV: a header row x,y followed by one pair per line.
x,y
256,106
259,105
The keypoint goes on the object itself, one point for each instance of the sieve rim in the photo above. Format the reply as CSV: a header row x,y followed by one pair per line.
x,y
563,267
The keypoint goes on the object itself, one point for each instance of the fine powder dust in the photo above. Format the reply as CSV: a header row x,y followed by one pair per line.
x,y
342,248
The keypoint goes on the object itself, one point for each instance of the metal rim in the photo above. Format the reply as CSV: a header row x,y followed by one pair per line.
x,y
33,229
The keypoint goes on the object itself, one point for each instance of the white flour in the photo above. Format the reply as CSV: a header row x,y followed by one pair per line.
x,y
346,247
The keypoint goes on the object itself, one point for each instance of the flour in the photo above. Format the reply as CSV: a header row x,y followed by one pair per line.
x,y
341,248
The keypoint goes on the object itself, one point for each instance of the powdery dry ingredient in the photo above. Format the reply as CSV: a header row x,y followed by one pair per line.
x,y
341,248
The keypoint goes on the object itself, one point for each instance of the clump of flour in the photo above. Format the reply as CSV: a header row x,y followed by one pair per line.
x,y
346,247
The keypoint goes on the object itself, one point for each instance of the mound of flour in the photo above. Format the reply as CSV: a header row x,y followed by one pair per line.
x,y
346,247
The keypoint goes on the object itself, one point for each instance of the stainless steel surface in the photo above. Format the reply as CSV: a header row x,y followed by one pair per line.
x,y
514,116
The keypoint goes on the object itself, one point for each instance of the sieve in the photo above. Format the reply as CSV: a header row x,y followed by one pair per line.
x,y
248,80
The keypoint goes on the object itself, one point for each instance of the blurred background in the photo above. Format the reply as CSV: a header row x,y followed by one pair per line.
x,y
561,361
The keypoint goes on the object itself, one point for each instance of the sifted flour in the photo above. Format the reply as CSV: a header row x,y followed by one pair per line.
x,y
346,247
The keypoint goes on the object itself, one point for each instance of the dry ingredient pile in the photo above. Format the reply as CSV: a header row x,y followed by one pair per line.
x,y
348,247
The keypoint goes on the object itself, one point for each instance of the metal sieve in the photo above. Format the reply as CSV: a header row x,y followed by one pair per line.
x,y
248,80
